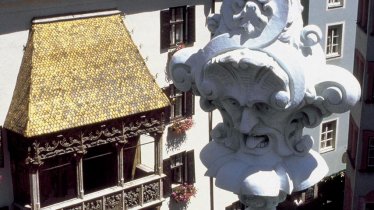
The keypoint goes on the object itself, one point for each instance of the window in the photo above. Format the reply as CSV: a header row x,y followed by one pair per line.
x,y
371,152
359,66
367,158
182,167
177,106
131,158
182,103
370,83
177,26
179,169
369,206
362,15
309,194
328,136
334,41
58,176
352,140
334,3
97,173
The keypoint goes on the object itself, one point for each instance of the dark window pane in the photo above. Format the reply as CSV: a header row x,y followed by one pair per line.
x,y
369,206
21,184
100,168
58,180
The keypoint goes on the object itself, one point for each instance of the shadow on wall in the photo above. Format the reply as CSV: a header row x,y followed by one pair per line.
x,y
174,140
177,206
16,15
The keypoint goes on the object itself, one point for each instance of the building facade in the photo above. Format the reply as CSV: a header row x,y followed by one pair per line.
x,y
337,21
359,186
154,155
120,158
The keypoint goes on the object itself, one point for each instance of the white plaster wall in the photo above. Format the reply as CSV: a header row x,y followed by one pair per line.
x,y
11,52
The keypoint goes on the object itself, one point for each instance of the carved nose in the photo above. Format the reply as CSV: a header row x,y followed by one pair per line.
x,y
248,121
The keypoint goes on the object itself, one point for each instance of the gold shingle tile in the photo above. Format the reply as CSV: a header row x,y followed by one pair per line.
x,y
79,72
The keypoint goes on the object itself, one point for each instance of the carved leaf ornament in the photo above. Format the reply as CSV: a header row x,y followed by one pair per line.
x,y
267,76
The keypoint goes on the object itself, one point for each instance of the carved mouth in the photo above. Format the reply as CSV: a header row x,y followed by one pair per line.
x,y
257,141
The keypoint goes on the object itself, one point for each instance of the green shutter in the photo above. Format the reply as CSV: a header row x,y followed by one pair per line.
x,y
191,167
165,29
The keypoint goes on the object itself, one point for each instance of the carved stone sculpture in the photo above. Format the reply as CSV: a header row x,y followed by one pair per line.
x,y
267,76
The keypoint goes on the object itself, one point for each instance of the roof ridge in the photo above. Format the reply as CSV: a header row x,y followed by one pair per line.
x,y
75,16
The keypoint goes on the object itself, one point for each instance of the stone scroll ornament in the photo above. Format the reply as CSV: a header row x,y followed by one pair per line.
x,y
267,76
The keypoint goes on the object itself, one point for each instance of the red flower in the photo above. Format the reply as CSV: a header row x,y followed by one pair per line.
x,y
182,125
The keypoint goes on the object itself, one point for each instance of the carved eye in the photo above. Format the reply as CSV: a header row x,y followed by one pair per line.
x,y
263,108
231,102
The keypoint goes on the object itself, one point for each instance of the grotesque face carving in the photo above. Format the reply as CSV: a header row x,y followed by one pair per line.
x,y
254,120
268,77
260,131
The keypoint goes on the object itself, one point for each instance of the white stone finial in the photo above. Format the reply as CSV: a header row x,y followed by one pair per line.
x,y
267,76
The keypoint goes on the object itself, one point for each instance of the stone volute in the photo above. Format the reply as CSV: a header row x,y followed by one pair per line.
x,y
267,76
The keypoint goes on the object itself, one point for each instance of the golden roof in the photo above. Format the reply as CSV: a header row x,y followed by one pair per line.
x,y
79,72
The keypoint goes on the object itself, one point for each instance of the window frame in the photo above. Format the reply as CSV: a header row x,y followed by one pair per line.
x,y
330,43
333,4
51,169
353,136
366,136
178,168
186,100
359,66
370,152
169,182
325,133
369,86
185,168
178,105
174,22
363,14
102,152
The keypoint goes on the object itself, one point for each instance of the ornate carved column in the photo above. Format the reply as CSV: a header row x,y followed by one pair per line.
x,y
79,168
267,76
158,152
120,144
34,187
34,162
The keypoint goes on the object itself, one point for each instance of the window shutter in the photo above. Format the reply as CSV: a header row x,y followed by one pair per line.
x,y
190,17
167,179
189,104
167,92
165,29
190,167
